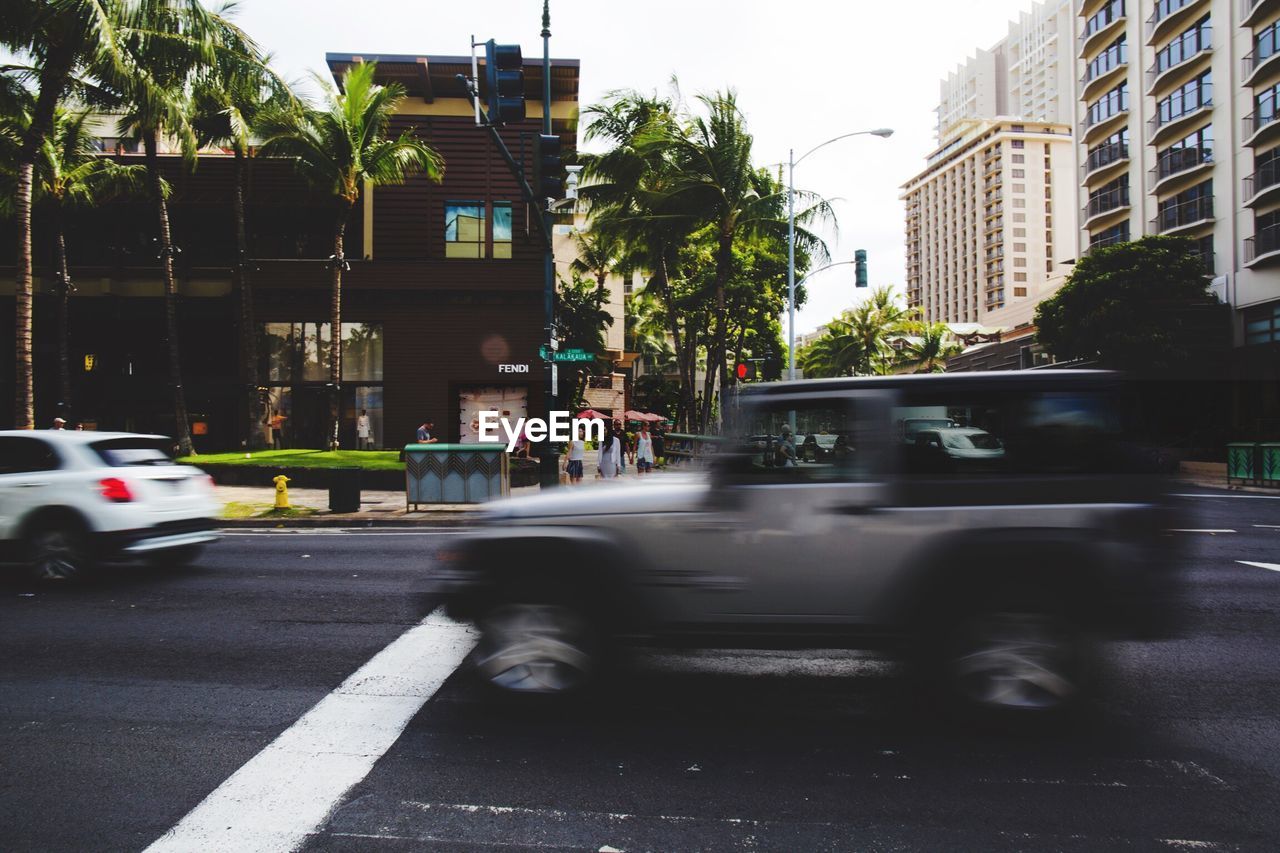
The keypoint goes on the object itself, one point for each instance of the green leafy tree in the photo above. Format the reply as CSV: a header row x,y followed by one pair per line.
x,y
68,175
858,343
932,346
339,148
61,42
582,319
1141,306
227,104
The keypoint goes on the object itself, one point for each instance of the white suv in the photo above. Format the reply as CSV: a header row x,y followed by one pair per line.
x,y
68,499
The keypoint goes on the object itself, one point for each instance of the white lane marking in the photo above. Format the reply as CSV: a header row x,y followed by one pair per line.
x,y
1210,531
288,790
1269,526
1255,497
1275,567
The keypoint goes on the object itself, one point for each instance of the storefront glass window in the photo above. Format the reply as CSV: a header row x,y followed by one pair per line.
x,y
502,229
361,352
464,229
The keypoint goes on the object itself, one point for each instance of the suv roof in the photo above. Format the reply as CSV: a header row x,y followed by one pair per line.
x,y
75,436
921,381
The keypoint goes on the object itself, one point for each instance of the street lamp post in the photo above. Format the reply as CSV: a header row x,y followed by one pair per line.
x,y
883,133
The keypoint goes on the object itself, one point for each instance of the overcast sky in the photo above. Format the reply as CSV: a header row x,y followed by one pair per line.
x,y
805,71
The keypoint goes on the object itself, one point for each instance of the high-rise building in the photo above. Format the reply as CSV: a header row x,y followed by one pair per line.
x,y
1176,109
983,232
1027,74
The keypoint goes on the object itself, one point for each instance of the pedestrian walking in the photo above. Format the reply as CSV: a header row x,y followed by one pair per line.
x,y
624,447
786,448
573,461
59,423
610,462
364,435
424,432
644,451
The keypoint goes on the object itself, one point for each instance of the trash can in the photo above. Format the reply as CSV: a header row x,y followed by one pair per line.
x,y
1270,467
1240,462
344,490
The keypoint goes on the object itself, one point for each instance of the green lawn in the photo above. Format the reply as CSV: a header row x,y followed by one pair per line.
x,y
241,509
370,460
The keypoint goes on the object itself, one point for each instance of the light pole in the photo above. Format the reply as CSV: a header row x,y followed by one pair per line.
x,y
883,133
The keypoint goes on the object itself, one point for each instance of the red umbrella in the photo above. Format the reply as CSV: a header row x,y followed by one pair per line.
x,y
635,416
592,414
650,417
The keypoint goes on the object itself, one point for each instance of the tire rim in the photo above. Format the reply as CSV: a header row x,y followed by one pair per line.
x,y
535,648
56,555
1018,662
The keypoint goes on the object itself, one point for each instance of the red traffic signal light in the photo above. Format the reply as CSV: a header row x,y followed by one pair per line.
x,y
745,371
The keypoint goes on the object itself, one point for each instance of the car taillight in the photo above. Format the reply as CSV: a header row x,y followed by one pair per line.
x,y
116,490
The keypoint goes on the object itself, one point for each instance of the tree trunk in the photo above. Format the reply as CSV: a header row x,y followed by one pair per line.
x,y
182,428
54,76
24,412
254,437
717,347
64,299
685,406
335,329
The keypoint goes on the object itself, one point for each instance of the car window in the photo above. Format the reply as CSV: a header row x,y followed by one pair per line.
x,y
975,431
21,455
131,452
796,441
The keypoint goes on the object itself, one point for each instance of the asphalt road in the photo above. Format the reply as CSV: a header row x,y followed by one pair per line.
x,y
126,701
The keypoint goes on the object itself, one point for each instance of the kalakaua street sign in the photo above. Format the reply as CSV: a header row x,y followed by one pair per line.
x,y
566,355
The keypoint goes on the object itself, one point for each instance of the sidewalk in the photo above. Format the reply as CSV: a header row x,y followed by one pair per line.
x,y
250,506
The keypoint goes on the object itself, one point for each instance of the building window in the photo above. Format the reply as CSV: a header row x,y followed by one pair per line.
x,y
1266,42
464,229
1112,103
1186,153
1019,291
1114,56
1018,173
1017,158
1020,247
1104,17
1192,40
1266,235
1262,324
1194,204
1111,236
1109,196
1265,103
1017,143
1165,8
1267,171
1019,262
502,229
1186,99
1019,276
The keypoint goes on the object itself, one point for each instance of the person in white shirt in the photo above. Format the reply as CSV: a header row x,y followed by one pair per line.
x,y
610,464
644,451
573,461
364,438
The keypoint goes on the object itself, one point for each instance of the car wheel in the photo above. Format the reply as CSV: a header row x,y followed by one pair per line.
x,y
1017,662
57,552
525,647
184,556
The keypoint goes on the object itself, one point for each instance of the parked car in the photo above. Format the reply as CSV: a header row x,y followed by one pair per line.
x,y
818,446
69,499
962,442
912,426
995,583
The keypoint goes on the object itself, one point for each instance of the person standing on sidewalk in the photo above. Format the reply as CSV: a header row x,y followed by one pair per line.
x,y
644,451
424,432
659,446
573,461
364,438
610,463
275,424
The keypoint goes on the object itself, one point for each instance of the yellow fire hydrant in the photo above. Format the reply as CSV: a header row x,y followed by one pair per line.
x,y
282,491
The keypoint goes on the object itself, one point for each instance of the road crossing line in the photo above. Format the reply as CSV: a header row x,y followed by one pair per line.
x,y
288,790
1275,567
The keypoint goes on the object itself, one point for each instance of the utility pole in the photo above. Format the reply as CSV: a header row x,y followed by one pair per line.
x,y
549,459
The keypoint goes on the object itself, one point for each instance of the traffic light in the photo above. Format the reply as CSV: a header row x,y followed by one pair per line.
x,y
771,369
548,167
504,77
860,268
746,371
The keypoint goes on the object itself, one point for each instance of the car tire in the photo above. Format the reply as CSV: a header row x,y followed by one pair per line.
x,y
1014,660
58,551
538,645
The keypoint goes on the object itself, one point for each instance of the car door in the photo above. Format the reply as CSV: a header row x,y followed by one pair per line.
x,y
780,542
26,464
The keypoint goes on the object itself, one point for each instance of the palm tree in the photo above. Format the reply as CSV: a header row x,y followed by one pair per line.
x,y
61,39
599,253
68,174
227,105
932,346
715,185
177,44
858,342
339,148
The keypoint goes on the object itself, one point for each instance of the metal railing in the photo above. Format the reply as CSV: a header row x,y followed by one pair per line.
x,y
1107,202
1105,155
1179,160
1181,214
1205,46
1267,176
1254,122
1264,242
1159,120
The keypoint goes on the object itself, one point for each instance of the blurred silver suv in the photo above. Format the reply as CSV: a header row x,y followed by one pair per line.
x,y
992,550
